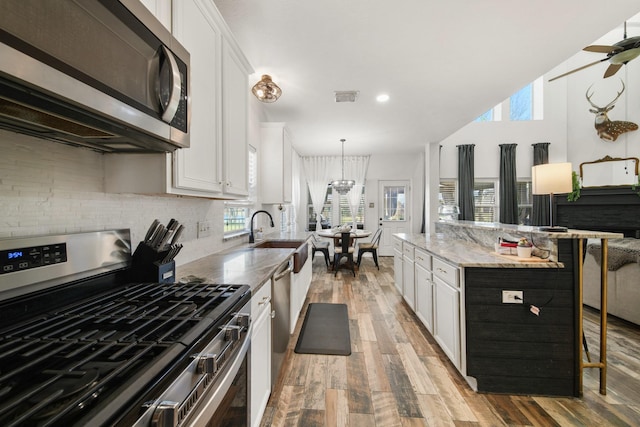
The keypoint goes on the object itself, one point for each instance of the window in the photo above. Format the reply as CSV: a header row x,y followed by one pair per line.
x,y
525,104
345,211
235,219
394,203
236,214
338,205
525,202
521,104
484,201
447,194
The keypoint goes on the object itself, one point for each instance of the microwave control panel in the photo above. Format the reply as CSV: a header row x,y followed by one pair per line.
x,y
20,259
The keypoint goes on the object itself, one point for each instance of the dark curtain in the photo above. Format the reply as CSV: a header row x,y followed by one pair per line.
x,y
465,181
508,184
540,213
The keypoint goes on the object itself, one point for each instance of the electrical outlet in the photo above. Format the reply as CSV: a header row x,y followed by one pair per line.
x,y
512,297
204,229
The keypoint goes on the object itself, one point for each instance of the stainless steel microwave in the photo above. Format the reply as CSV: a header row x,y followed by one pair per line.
x,y
103,74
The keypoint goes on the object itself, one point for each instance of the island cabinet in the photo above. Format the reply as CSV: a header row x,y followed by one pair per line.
x,y
215,165
408,275
446,309
511,349
260,353
424,288
397,264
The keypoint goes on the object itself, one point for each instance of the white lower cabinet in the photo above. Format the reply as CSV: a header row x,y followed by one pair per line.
x,y
260,356
446,308
408,276
397,264
424,289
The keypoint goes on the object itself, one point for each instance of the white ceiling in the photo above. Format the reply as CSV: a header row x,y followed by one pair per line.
x,y
443,63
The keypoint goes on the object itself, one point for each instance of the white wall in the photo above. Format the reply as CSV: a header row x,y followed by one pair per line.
x,y
395,167
567,123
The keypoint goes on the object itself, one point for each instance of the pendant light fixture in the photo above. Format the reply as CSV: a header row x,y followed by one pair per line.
x,y
266,90
343,186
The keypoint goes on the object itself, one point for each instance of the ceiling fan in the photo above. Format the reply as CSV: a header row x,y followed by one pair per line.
x,y
618,54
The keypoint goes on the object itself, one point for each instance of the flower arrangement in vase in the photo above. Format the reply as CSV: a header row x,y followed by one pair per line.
x,y
524,248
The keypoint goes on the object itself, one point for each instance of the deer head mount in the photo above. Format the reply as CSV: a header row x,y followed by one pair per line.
x,y
609,130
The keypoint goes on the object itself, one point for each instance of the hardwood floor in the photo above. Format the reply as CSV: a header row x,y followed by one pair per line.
x,y
397,375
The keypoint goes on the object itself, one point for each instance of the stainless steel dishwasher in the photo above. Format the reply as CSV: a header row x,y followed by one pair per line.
x,y
280,298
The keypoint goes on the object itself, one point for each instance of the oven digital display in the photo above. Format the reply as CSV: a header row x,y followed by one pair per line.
x,y
15,255
19,259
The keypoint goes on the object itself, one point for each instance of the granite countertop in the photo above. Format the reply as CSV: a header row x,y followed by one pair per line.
x,y
463,253
242,264
528,229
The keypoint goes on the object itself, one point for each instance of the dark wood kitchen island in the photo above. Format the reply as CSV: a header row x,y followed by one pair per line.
x,y
530,346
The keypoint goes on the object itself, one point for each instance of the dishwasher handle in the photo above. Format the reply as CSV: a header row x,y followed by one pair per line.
x,y
288,269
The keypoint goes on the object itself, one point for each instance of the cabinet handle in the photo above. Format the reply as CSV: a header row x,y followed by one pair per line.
x,y
441,270
265,300
273,314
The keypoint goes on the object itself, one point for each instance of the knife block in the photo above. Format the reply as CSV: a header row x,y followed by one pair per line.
x,y
147,266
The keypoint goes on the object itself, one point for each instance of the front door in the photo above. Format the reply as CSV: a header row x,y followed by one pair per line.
x,y
393,213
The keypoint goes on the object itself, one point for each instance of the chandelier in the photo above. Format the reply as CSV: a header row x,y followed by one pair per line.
x,y
266,90
342,186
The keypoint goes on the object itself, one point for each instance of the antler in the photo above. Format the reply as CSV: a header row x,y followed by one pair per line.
x,y
609,106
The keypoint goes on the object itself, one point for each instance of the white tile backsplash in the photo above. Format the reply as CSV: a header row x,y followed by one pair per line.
x,y
48,188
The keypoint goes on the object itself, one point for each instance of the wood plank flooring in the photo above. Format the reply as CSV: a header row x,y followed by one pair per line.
x,y
398,376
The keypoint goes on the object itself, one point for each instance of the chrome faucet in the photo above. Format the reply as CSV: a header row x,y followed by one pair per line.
x,y
251,239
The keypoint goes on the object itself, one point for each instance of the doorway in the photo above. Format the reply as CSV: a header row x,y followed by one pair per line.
x,y
393,212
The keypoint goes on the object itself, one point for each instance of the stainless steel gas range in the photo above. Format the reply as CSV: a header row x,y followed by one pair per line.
x,y
81,344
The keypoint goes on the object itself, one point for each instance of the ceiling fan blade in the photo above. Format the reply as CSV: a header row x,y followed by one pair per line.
x,y
611,70
602,48
578,69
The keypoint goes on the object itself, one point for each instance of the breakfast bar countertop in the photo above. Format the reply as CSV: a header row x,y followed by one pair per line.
x,y
459,246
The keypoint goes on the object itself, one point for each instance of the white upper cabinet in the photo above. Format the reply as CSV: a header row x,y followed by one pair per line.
x,y
215,165
235,99
161,9
276,163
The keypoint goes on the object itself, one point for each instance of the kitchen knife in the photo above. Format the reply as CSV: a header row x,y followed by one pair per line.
x,y
171,229
150,231
177,234
157,238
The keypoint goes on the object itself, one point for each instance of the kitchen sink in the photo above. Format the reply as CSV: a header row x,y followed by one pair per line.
x,y
299,256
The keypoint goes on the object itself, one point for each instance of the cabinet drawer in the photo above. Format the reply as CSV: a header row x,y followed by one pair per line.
x,y
397,244
446,272
408,250
423,259
261,299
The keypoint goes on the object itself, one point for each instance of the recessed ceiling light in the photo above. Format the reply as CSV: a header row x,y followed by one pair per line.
x,y
382,98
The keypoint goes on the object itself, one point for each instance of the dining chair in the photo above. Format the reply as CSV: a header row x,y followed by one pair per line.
x,y
320,246
343,248
370,246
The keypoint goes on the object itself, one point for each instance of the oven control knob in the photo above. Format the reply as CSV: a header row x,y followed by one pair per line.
x,y
244,320
207,364
165,414
232,332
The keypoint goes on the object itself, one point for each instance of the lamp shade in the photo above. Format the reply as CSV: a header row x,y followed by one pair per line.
x,y
552,178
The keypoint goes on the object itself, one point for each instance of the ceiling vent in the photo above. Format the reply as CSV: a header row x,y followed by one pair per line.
x,y
346,95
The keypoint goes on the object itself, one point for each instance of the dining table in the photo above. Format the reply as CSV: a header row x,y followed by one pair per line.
x,y
331,233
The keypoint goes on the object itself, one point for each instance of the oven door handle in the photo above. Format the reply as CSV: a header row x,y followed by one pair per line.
x,y
217,392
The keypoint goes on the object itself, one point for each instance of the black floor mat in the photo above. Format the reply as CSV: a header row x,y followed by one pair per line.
x,y
325,330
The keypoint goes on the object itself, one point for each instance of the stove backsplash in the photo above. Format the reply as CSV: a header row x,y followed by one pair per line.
x,y
50,188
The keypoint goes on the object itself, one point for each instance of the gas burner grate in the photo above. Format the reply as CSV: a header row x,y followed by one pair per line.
x,y
63,363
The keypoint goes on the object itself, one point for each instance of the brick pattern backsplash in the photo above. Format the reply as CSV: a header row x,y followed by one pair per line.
x,y
48,188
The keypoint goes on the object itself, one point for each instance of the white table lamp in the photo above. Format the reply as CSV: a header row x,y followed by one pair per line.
x,y
552,178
